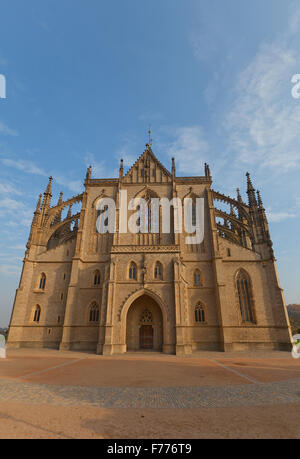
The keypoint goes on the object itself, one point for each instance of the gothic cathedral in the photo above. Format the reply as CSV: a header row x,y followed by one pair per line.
x,y
119,292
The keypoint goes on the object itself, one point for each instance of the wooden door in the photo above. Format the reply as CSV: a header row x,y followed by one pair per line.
x,y
146,337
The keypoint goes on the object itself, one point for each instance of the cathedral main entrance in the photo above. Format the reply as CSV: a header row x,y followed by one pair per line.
x,y
146,337
144,328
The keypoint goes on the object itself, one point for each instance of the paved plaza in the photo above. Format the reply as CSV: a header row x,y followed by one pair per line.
x,y
52,394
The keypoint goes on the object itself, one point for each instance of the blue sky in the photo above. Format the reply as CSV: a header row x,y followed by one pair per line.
x,y
85,79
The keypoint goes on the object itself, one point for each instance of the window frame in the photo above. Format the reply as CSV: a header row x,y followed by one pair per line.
x,y
36,314
245,298
197,272
201,309
42,282
132,271
96,278
93,313
158,271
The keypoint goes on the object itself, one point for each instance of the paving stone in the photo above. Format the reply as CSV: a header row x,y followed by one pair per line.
x,y
153,397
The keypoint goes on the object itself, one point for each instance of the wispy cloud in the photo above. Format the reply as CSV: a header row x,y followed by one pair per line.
x,y
10,269
276,217
16,213
8,203
294,21
16,247
100,169
31,168
73,185
5,130
128,150
9,188
24,165
264,120
189,147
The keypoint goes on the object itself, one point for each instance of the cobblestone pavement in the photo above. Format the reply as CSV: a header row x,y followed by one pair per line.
x,y
275,393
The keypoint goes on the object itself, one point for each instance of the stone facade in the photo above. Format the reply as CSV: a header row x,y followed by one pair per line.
x,y
112,293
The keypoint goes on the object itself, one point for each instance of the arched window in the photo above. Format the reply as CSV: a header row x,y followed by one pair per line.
x,y
142,222
42,283
194,220
197,278
244,290
138,221
37,314
200,313
97,277
102,222
94,313
149,225
132,271
158,271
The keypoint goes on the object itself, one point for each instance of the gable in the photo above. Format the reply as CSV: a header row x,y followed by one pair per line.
x,y
147,169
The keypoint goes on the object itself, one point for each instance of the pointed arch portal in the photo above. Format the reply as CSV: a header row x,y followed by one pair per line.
x,y
144,325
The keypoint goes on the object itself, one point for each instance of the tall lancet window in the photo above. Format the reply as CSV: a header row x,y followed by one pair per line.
x,y
194,218
42,283
148,219
200,313
94,313
158,271
148,224
37,314
102,221
132,271
197,278
244,290
97,277
144,219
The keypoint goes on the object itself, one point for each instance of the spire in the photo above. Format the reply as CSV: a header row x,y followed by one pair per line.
x,y
149,143
47,195
57,218
38,205
121,170
60,199
37,210
88,173
207,170
70,211
239,197
49,187
232,212
251,192
259,200
173,168
265,234
240,201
